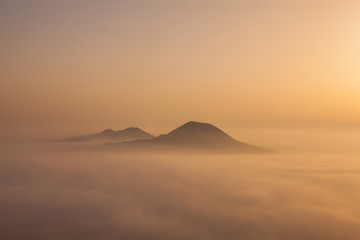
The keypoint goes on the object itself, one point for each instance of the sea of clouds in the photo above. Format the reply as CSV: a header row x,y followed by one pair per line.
x,y
59,194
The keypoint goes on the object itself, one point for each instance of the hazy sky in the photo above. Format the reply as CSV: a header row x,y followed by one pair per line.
x,y
99,64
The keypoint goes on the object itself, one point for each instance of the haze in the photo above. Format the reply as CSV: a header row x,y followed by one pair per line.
x,y
278,75
95,65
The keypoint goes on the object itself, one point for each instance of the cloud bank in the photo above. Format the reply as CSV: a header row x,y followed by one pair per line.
x,y
67,195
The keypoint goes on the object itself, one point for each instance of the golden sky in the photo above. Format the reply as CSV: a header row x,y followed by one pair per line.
x,y
100,64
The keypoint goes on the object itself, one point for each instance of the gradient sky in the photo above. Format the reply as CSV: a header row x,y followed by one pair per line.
x,y
99,64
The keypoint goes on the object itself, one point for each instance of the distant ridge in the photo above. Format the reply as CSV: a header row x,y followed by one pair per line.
x,y
128,134
190,137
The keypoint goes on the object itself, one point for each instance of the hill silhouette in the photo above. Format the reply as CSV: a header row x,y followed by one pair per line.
x,y
190,137
131,133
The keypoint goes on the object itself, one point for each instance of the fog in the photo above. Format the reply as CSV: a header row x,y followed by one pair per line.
x,y
51,192
280,75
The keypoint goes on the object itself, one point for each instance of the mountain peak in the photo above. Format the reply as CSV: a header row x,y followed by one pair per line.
x,y
194,133
132,129
107,131
197,128
194,123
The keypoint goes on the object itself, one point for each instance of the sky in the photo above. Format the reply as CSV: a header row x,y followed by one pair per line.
x,y
158,64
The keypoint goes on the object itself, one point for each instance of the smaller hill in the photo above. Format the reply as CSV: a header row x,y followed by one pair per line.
x,y
128,134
